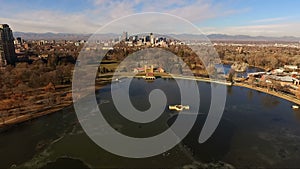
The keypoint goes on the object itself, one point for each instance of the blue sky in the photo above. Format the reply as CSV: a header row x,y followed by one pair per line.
x,y
249,17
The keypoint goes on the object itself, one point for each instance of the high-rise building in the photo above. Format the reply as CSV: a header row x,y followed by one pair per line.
x,y
147,39
125,36
152,40
7,48
18,41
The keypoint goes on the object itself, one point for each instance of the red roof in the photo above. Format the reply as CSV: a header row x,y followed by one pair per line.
x,y
149,74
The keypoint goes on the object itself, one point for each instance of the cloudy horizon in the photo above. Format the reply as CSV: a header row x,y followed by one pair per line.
x,y
232,17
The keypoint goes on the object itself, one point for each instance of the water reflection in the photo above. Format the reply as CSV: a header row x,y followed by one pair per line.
x,y
227,68
229,90
250,94
297,115
269,101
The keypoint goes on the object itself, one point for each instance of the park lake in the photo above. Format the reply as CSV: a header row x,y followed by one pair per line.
x,y
256,130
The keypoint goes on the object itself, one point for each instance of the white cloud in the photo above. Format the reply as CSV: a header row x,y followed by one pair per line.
x,y
197,12
105,11
194,11
270,20
155,22
282,29
50,21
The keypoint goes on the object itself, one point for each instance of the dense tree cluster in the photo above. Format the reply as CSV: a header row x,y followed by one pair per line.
x,y
200,65
25,76
270,57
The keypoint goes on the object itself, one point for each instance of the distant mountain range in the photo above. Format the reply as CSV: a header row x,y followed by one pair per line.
x,y
215,37
51,36
252,38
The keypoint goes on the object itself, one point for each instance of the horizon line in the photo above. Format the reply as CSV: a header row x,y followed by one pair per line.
x,y
225,34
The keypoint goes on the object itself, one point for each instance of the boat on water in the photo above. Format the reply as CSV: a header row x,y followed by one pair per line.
x,y
178,107
118,80
295,106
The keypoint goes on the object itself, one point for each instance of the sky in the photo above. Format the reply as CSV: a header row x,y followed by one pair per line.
x,y
233,17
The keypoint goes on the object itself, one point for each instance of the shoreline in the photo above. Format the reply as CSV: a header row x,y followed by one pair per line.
x,y
237,84
27,117
259,89
270,92
37,113
56,108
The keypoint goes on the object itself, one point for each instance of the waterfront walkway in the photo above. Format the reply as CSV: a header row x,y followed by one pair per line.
x,y
290,98
224,82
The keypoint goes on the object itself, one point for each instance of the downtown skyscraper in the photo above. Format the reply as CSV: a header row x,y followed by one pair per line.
x,y
7,48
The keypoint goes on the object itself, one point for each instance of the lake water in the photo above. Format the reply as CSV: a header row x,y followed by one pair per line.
x,y
250,69
256,130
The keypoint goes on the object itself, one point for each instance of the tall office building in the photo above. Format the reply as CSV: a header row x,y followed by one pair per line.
x,y
7,48
125,36
152,40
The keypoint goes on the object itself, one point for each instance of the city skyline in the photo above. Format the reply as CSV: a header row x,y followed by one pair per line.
x,y
233,17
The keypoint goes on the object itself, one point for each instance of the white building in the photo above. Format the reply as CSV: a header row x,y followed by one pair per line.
x,y
290,67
